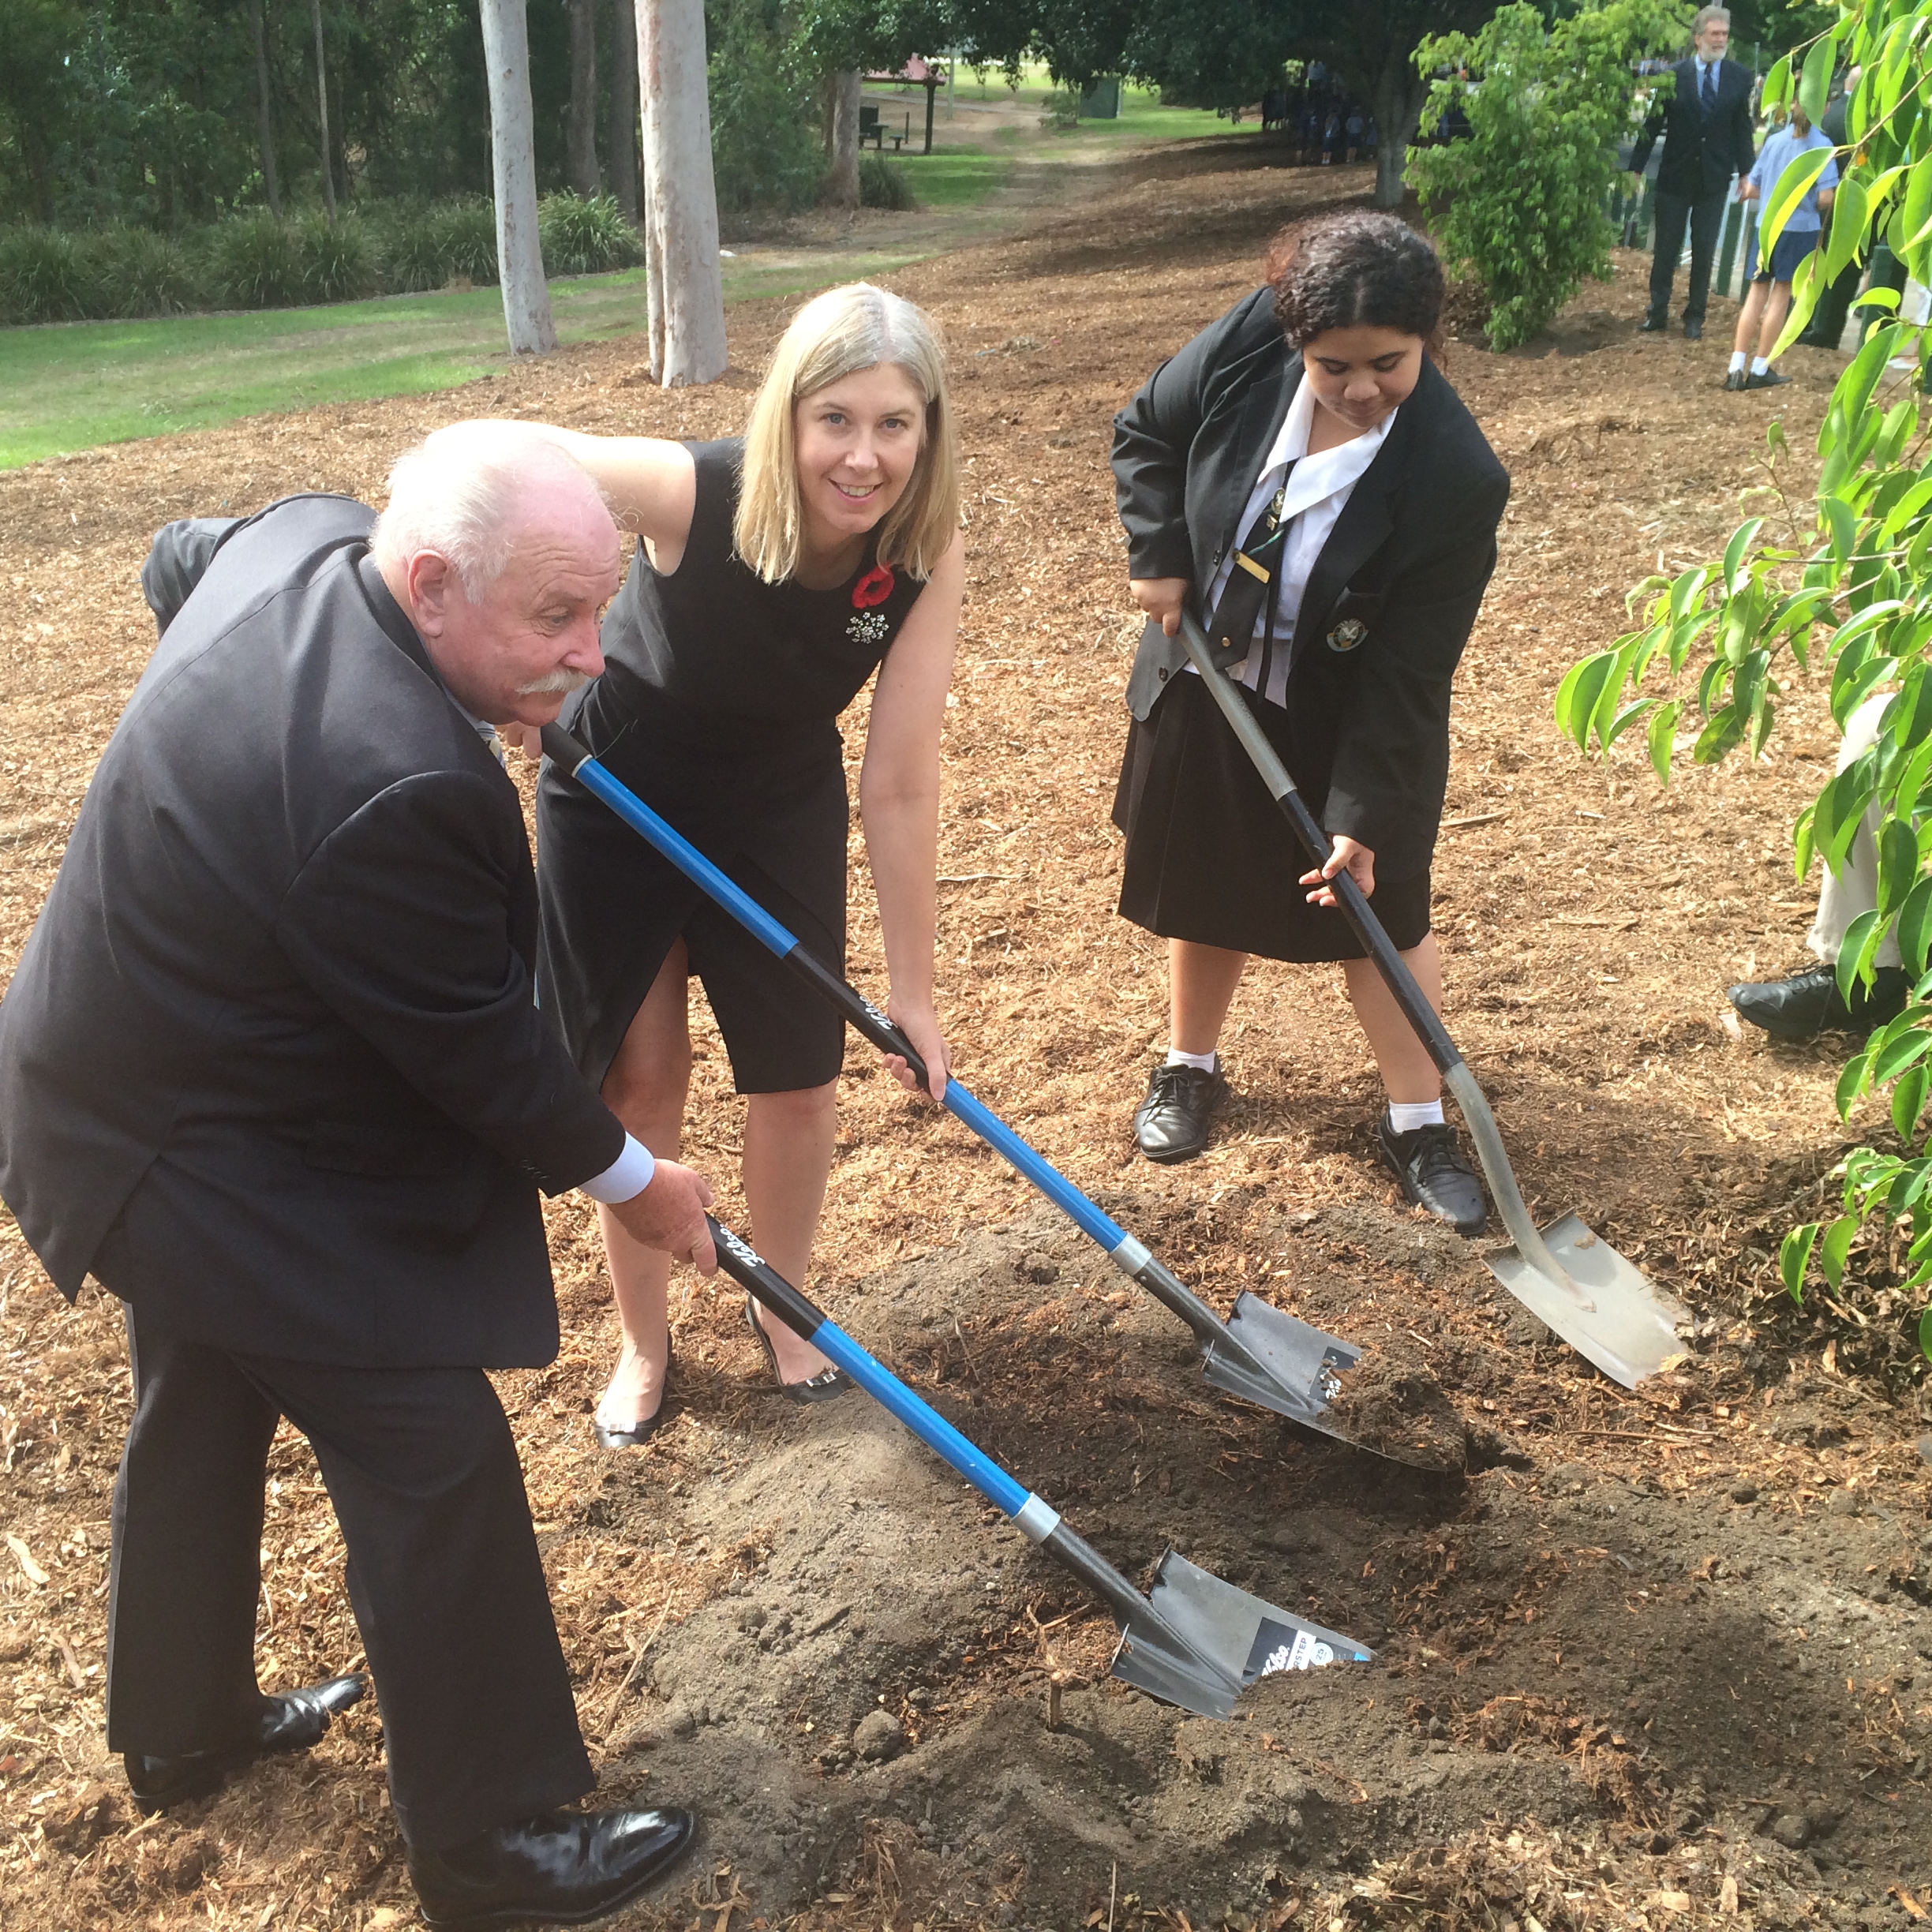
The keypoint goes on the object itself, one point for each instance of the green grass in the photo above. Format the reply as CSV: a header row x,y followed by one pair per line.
x,y
955,176
71,386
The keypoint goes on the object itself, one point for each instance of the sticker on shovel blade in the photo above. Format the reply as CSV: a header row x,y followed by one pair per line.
x,y
1277,1647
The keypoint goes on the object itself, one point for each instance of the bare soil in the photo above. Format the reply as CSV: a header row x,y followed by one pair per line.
x,y
1643,1659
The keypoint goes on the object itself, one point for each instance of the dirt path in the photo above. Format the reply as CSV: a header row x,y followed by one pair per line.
x,y
1653,1659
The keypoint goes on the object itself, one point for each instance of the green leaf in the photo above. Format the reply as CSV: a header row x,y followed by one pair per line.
x,y
1662,734
1878,299
1778,83
1898,864
1902,1043
1719,735
1581,693
1850,1083
1918,209
1793,185
1841,525
1915,927
1835,1248
1925,1334
1795,1257
1742,539
1908,1100
1628,717
1804,842
1815,85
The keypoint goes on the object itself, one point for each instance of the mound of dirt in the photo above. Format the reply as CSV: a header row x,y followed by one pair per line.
x,y
1391,1404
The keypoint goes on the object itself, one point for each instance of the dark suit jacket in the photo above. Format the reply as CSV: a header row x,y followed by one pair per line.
x,y
1700,152
270,1064
1408,557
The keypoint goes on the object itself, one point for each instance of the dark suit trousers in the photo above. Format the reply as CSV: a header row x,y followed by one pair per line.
x,y
1705,216
443,1573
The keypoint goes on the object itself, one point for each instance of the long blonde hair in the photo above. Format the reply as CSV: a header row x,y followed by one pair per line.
x,y
836,334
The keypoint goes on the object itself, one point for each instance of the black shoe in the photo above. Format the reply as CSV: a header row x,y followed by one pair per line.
x,y
1429,1164
557,1868
646,1427
291,1720
827,1385
1765,379
1694,332
1171,1125
1654,323
1809,1003
1734,380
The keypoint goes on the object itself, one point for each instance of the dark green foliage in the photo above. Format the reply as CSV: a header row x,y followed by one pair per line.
x,y
465,227
338,259
883,185
586,236
254,261
43,276
134,271
766,151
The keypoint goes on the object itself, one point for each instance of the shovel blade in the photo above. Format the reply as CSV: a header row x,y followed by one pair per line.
x,y
1209,1640
1632,1330
1300,1363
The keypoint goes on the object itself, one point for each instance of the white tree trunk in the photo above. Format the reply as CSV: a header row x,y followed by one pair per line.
x,y
519,256
842,181
684,291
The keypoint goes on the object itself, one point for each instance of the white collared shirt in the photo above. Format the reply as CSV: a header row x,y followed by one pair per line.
x,y
1317,493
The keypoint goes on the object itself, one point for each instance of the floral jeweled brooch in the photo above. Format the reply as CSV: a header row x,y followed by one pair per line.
x,y
868,626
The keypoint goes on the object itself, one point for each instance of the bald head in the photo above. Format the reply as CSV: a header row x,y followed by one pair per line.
x,y
499,547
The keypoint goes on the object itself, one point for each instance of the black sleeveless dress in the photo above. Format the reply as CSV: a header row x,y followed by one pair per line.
x,y
718,706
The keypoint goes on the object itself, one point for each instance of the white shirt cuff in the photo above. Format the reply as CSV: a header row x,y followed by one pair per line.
x,y
629,1174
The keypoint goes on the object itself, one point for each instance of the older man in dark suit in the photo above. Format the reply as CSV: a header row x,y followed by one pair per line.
x,y
1706,126
270,1070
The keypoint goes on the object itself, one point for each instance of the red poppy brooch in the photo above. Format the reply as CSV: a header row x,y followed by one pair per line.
x,y
867,625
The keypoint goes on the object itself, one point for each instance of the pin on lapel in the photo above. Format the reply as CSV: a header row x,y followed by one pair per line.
x,y
1347,634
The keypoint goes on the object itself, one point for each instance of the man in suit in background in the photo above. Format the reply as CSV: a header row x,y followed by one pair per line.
x,y
1706,126
271,1070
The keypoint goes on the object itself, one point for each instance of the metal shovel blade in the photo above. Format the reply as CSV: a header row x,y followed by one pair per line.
x,y
1223,1630
1630,1333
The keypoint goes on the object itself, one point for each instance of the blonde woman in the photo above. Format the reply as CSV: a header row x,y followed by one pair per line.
x,y
776,573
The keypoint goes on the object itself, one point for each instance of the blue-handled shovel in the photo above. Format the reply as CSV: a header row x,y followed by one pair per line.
x,y
1260,1354
1192,1640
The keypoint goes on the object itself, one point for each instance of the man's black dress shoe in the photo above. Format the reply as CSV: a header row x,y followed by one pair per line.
x,y
1765,379
1429,1164
558,1868
1171,1125
1654,323
1694,332
291,1720
1809,1003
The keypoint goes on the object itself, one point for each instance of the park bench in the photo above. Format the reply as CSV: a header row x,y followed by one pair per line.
x,y
873,129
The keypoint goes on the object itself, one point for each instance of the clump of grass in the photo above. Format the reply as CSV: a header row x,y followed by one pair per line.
x,y
134,271
43,276
883,185
338,262
465,228
585,235
255,261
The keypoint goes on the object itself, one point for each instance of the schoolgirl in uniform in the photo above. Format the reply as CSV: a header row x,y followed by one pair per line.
x,y
1302,471
777,572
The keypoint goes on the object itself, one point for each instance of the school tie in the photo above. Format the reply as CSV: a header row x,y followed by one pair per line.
x,y
1708,93
1251,582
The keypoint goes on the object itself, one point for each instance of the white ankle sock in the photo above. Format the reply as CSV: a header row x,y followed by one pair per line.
x,y
1205,1061
1759,364
1739,358
1405,1116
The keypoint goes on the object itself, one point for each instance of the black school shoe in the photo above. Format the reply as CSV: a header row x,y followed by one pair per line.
x,y
1809,1003
1428,1163
291,1720
1171,1124
558,1868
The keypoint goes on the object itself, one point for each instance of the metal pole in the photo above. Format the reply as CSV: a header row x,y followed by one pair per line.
x,y
932,88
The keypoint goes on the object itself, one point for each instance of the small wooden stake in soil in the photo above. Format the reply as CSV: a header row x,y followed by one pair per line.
x,y
1052,1706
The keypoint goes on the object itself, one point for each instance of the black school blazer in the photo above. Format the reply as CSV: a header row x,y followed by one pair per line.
x,y
1409,559
1700,152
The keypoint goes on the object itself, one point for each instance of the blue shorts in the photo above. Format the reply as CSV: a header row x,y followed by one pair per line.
x,y
1786,252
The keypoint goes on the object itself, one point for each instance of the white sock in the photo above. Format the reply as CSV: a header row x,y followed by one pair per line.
x,y
1759,364
1405,1116
1739,358
1205,1061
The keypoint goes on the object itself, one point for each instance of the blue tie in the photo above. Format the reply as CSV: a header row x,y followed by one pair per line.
x,y
1710,90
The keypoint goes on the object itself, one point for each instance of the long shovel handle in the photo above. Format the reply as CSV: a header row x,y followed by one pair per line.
x,y
1129,1255
1393,969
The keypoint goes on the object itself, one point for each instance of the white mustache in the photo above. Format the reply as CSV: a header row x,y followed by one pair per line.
x,y
561,679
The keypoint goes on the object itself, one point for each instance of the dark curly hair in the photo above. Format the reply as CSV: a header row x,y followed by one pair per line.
x,y
1356,269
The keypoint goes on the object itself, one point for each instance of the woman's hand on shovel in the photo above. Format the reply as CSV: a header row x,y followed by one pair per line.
x,y
922,1029
1350,854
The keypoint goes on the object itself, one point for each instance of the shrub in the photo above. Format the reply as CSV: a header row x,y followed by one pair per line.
x,y
1520,200
255,261
583,235
410,247
766,151
882,185
134,271
1060,109
465,230
338,262
43,276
